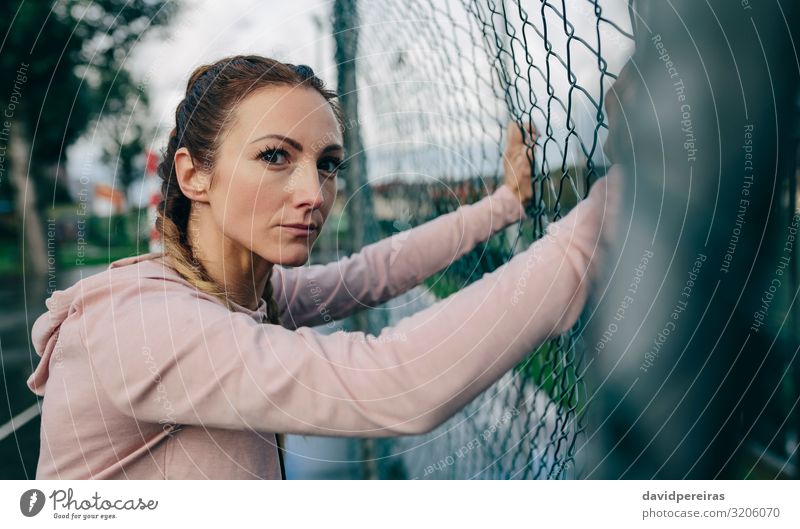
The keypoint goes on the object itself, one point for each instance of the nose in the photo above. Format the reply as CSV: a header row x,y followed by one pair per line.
x,y
307,188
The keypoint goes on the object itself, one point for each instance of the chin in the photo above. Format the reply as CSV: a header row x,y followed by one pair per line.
x,y
292,257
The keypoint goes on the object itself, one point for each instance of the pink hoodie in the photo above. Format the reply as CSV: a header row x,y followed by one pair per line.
x,y
143,376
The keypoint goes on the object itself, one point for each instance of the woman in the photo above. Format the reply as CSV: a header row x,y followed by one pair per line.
x,y
185,364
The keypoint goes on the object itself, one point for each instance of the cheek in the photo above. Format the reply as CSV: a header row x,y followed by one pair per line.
x,y
242,205
329,194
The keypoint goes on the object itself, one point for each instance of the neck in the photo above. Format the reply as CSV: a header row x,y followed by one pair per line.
x,y
241,273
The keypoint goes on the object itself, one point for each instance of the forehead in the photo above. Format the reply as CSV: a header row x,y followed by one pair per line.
x,y
300,113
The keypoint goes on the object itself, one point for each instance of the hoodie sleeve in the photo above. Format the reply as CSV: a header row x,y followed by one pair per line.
x,y
311,295
164,353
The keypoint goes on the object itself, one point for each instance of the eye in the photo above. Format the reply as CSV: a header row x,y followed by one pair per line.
x,y
331,165
273,156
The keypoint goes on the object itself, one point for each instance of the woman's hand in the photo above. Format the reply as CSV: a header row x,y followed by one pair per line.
x,y
517,161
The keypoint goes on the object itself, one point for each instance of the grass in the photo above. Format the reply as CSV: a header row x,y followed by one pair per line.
x,y
96,255
10,260
104,239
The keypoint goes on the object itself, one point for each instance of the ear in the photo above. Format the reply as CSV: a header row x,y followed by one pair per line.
x,y
193,182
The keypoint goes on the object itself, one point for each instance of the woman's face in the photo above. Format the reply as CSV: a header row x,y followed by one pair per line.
x,y
274,179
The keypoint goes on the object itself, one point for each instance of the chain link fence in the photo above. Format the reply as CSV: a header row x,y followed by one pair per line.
x,y
437,83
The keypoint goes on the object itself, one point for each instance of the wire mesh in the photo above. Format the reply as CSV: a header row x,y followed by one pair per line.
x,y
438,81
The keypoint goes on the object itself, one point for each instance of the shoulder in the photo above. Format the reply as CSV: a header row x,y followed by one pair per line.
x,y
146,278
145,299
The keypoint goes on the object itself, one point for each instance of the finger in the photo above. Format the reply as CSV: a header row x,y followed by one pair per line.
x,y
517,134
513,134
530,128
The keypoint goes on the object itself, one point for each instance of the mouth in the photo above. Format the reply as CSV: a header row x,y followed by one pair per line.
x,y
301,230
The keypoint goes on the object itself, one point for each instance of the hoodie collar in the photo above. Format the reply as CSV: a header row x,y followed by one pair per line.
x,y
45,330
259,314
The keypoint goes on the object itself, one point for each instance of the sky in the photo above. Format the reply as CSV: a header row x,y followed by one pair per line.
x,y
444,101
206,30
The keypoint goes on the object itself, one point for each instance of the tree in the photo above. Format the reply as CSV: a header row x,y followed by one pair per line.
x,y
62,65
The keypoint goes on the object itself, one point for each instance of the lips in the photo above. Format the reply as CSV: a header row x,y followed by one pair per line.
x,y
302,230
308,227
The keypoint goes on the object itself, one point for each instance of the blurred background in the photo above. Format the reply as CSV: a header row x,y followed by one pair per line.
x,y
89,90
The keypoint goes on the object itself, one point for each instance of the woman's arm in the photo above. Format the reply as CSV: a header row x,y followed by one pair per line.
x,y
308,295
208,366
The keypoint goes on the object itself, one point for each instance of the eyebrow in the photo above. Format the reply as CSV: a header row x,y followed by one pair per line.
x,y
296,144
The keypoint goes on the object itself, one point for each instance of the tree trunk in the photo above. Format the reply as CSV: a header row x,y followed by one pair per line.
x,y
34,254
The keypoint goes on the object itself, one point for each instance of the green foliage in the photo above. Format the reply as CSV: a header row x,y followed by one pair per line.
x,y
102,239
62,65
